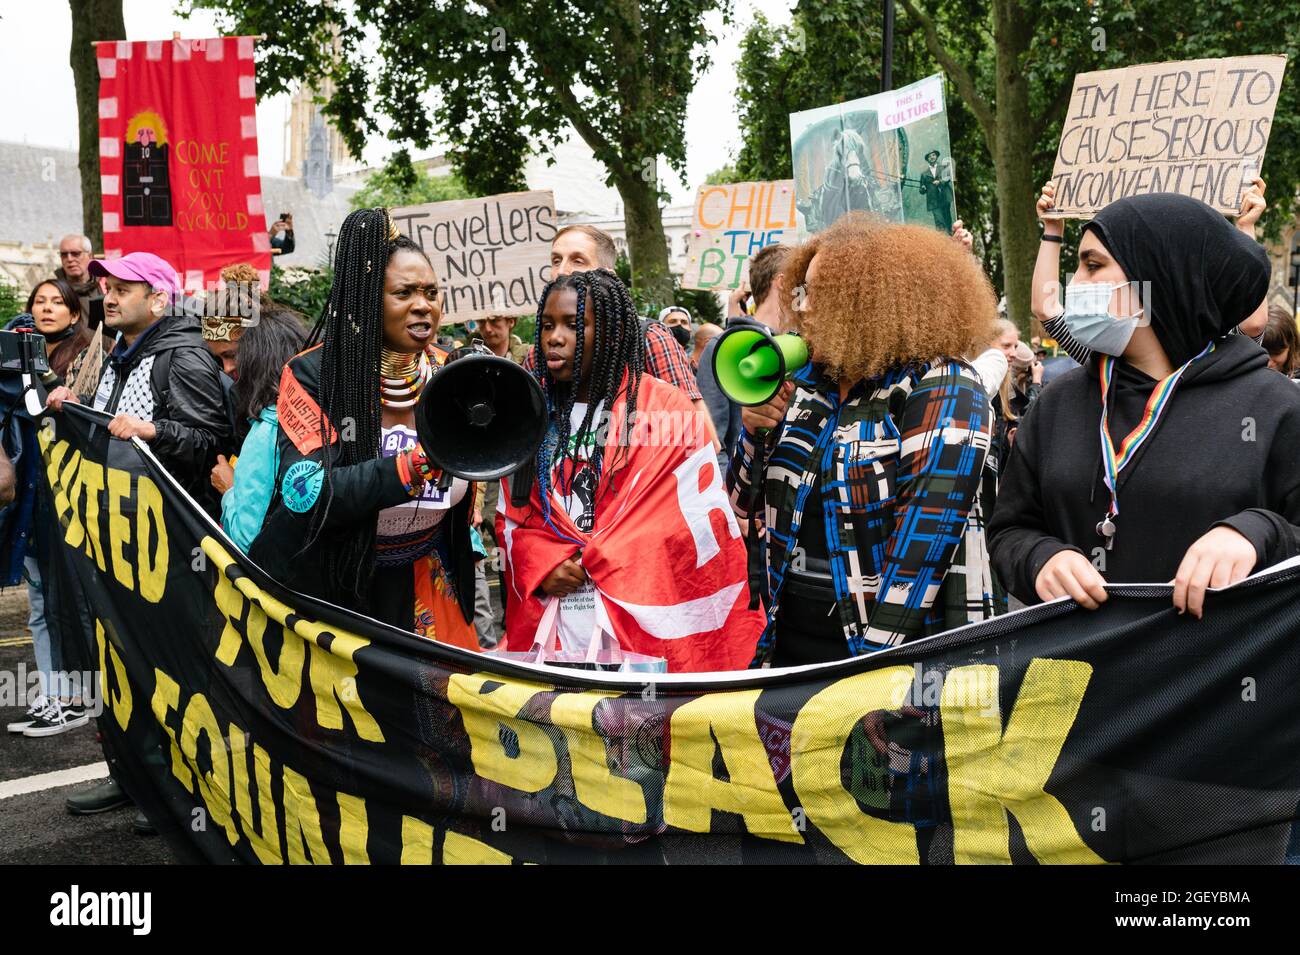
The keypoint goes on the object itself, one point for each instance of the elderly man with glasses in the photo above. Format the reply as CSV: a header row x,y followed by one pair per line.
x,y
74,265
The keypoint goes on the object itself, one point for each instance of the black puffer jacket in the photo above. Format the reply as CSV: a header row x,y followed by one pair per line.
x,y
169,377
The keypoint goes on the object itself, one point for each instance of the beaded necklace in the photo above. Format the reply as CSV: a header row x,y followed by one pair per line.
x,y
402,376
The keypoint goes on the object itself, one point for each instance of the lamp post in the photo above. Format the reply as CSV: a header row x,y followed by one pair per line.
x,y
330,238
887,54
1295,273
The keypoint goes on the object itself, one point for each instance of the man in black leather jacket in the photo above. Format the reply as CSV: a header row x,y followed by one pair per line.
x,y
160,382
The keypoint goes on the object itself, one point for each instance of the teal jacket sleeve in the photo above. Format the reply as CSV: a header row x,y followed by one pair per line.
x,y
243,507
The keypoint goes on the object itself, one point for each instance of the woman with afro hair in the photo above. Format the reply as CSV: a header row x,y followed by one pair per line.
x,y
875,448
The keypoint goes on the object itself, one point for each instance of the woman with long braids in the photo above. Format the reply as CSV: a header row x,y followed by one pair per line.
x,y
359,517
621,530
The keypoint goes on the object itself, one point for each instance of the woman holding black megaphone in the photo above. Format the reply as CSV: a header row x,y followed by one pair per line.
x,y
365,513
874,448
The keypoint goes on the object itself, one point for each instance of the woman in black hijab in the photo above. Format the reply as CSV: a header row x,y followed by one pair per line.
x,y
1170,454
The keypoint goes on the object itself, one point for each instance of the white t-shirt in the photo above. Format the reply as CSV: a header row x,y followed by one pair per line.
x,y
577,616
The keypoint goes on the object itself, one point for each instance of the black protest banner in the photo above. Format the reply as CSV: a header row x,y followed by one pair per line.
x,y
1198,128
256,725
492,255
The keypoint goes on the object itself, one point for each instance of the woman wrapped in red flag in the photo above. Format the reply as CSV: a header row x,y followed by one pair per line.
x,y
622,519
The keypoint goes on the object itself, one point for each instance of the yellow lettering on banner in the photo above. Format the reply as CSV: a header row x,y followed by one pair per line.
x,y
119,528
119,703
488,705
692,792
417,842
333,670
596,787
466,850
91,479
152,564
231,604
82,488
283,681
991,773
334,679
266,842
302,822
821,731
354,829
77,484
75,533
53,467
214,787
167,698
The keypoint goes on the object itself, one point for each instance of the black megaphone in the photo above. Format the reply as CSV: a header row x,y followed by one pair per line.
x,y
480,417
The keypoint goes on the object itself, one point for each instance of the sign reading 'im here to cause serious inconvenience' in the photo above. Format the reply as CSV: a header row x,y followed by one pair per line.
x,y
1198,128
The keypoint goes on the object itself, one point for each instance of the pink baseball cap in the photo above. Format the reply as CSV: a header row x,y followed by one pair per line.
x,y
139,267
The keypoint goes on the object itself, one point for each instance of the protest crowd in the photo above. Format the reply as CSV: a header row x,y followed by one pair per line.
x,y
914,473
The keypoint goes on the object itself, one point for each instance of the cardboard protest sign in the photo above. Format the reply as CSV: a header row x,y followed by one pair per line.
x,y
492,254
730,223
1198,128
887,154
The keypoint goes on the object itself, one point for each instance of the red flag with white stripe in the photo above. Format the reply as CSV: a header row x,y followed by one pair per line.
x,y
665,554
178,155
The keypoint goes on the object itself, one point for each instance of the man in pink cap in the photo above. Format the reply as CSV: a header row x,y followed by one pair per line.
x,y
161,384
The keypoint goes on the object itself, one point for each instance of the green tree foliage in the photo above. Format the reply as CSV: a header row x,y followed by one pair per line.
x,y
12,299
703,305
726,174
830,53
500,79
1010,66
304,289
401,183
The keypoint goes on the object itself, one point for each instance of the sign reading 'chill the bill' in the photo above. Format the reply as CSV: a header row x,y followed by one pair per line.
x,y
1198,128
492,254
731,223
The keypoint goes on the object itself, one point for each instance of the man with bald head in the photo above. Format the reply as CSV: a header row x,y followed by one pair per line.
x,y
74,266
703,335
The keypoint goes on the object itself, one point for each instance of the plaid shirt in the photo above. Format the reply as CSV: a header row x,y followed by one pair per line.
x,y
899,463
664,359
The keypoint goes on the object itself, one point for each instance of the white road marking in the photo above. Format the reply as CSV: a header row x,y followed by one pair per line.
x,y
61,777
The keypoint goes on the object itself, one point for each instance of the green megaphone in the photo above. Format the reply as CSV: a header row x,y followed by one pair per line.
x,y
750,362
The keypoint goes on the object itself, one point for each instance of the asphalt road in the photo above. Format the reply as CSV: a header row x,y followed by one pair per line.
x,y
35,828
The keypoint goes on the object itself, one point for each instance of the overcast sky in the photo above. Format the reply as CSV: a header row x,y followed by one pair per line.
x,y
40,103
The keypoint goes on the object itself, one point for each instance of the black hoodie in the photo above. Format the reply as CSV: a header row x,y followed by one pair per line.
x,y
1225,451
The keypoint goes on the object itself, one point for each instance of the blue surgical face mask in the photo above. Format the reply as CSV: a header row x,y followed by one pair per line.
x,y
1087,316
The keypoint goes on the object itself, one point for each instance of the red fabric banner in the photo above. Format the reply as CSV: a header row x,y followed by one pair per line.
x,y
178,155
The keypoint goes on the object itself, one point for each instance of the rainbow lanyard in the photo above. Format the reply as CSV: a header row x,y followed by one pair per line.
x,y
1115,462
